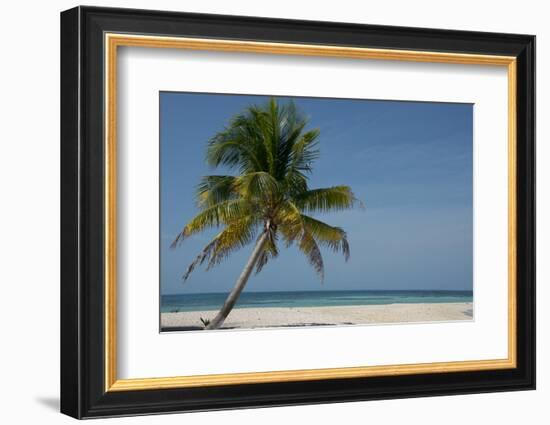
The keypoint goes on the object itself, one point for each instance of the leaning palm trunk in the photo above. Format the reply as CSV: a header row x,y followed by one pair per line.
x,y
233,296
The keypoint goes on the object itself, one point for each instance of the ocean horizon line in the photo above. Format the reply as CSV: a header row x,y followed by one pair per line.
x,y
319,290
319,298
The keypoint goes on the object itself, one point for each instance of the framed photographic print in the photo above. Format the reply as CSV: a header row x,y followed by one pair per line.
x,y
261,212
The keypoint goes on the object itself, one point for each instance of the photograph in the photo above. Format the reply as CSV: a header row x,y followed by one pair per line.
x,y
285,212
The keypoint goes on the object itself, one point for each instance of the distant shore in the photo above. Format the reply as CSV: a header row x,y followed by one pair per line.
x,y
274,317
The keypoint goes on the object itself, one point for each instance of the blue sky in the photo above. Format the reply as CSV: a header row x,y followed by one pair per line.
x,y
409,162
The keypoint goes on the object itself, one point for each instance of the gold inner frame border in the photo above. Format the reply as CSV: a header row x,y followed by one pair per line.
x,y
113,40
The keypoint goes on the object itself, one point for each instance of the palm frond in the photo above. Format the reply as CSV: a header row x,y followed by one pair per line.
x,y
199,259
270,250
229,150
295,183
236,235
257,185
215,189
213,216
242,144
291,127
336,198
330,236
311,250
305,151
289,221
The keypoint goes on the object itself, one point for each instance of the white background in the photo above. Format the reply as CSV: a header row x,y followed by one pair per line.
x,y
145,72
29,225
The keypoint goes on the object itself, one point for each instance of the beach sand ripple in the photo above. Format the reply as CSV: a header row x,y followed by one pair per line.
x,y
273,317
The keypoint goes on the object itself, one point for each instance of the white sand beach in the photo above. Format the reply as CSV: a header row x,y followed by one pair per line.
x,y
269,317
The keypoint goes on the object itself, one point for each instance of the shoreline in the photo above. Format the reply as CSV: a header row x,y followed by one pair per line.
x,y
285,317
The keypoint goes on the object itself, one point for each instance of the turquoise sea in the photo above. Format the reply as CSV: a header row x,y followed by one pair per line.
x,y
213,301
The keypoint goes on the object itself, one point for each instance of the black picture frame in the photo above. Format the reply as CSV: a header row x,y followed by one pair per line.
x,y
82,219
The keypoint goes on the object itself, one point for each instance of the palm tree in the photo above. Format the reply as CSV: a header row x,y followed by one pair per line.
x,y
269,198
